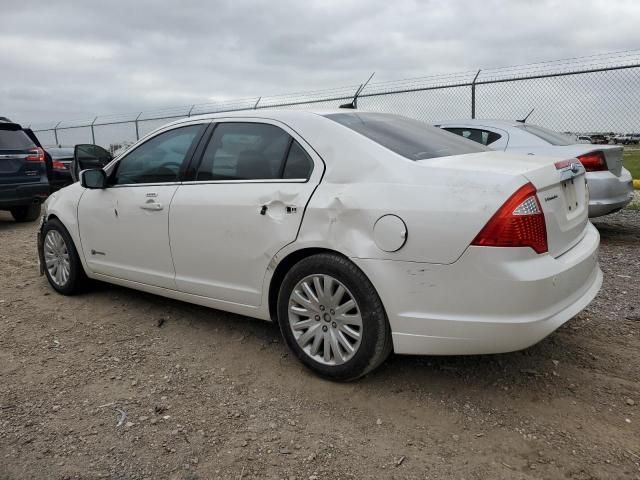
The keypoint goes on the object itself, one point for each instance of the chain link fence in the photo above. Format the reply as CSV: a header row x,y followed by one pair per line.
x,y
595,94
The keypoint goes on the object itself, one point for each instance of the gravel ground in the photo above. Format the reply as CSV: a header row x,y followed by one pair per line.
x,y
119,384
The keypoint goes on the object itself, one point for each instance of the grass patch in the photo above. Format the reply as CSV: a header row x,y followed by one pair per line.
x,y
631,161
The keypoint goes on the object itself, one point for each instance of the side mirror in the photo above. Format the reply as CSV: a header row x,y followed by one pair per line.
x,y
87,156
94,178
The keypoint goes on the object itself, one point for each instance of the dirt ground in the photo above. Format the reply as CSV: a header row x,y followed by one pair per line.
x,y
208,394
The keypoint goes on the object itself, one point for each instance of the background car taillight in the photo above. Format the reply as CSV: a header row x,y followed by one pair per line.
x,y
58,165
35,155
518,223
593,161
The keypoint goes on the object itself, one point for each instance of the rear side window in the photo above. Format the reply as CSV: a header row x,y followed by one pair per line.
x,y
484,137
253,151
299,164
407,137
15,140
549,136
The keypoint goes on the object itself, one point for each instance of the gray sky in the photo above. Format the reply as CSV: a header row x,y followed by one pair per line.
x,y
63,60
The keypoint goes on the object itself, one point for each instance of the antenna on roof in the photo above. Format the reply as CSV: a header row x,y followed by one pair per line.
x,y
354,103
525,118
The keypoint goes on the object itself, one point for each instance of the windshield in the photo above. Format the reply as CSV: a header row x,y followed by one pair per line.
x,y
549,136
410,138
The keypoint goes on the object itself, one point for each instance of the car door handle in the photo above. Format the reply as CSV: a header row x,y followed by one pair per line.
x,y
152,205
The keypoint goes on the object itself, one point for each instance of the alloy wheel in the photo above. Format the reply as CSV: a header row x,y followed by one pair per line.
x,y
325,319
56,258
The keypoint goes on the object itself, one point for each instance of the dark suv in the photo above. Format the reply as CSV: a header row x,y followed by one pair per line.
x,y
23,172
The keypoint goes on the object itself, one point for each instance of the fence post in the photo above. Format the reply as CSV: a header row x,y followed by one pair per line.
x,y
93,134
55,132
137,131
473,96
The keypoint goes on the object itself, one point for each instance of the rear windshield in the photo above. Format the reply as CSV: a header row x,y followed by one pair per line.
x,y
14,140
407,137
549,136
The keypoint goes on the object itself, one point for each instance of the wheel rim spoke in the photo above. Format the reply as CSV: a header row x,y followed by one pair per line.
x,y
342,340
303,325
349,331
56,258
325,319
307,336
315,347
350,320
334,346
319,289
311,295
301,300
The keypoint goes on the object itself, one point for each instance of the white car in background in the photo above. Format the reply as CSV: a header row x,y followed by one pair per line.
x,y
610,184
359,233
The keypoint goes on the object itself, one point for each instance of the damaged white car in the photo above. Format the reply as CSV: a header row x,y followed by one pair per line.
x,y
359,233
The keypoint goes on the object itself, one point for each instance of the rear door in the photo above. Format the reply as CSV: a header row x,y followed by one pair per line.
x,y
20,162
244,204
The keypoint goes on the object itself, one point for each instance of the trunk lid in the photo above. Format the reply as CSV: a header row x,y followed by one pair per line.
x,y
612,153
564,199
561,190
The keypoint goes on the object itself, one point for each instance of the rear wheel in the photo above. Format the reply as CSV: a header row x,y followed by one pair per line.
x,y
61,262
332,318
26,213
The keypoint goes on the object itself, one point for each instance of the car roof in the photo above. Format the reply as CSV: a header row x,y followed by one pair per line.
x,y
282,115
275,114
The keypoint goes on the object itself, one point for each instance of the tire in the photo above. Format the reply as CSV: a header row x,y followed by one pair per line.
x,y
26,213
75,279
331,318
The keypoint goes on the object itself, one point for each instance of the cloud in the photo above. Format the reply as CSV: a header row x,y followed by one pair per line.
x,y
66,59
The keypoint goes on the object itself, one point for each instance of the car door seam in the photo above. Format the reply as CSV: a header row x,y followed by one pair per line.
x,y
175,272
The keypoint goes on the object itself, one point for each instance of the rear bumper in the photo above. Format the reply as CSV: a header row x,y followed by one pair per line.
x,y
492,300
15,195
608,193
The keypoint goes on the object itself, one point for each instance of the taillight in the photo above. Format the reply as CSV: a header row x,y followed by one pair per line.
x,y
35,155
593,161
58,165
518,223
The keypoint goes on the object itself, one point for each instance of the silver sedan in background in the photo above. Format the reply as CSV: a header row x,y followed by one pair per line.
x,y
610,184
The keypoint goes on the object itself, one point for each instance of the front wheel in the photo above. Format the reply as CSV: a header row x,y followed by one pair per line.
x,y
61,262
332,318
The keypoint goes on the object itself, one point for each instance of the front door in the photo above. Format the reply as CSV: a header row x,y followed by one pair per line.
x,y
246,203
124,227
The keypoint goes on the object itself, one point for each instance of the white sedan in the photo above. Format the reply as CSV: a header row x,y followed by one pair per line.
x,y
359,233
610,184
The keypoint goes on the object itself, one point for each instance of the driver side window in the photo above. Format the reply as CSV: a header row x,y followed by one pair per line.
x,y
158,160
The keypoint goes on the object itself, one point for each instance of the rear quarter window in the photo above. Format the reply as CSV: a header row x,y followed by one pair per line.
x,y
15,140
410,138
